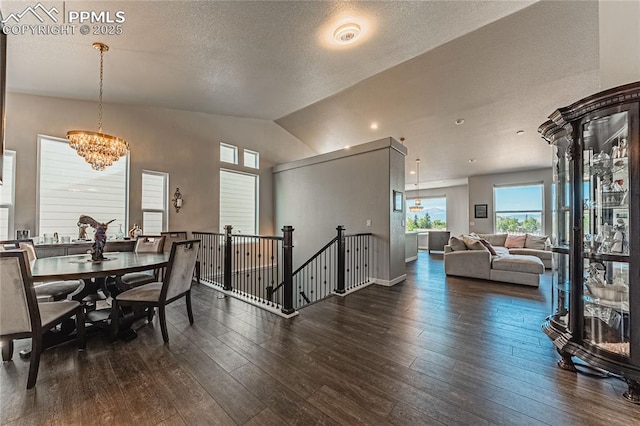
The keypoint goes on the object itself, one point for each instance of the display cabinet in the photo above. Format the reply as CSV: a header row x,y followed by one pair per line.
x,y
596,233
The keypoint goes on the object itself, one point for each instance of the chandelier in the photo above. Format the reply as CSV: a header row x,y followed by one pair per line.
x,y
98,149
417,203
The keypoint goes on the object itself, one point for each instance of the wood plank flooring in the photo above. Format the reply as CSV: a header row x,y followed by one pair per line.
x,y
431,350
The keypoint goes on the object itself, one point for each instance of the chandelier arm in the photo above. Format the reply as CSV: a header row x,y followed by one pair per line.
x,y
101,77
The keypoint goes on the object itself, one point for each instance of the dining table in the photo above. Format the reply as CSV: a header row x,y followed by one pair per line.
x,y
94,275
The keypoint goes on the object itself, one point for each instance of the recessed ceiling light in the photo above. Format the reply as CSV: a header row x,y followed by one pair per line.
x,y
459,121
347,147
374,126
412,172
520,132
472,160
347,33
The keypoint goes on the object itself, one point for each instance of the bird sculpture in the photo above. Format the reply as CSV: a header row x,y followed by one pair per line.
x,y
100,238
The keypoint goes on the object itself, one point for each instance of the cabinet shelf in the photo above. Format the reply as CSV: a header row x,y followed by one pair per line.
x,y
606,257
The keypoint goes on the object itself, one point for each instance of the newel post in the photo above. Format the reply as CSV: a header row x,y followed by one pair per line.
x,y
341,259
228,253
287,254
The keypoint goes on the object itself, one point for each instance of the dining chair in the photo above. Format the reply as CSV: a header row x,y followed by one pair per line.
x,y
144,244
45,290
21,316
176,284
173,236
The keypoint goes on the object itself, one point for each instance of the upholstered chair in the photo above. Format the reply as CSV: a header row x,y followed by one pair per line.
x,y
21,316
173,236
176,284
144,244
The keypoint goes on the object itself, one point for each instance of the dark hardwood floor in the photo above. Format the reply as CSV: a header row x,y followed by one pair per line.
x,y
431,350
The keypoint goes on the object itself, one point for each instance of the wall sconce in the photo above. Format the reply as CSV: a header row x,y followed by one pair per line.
x,y
177,200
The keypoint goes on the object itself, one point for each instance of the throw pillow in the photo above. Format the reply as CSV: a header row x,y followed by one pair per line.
x,y
495,239
473,243
457,244
489,247
515,241
538,242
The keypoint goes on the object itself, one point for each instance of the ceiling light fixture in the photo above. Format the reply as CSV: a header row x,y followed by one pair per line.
x,y
347,33
459,121
347,147
417,203
520,132
412,172
98,149
374,126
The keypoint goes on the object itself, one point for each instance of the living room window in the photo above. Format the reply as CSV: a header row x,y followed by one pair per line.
x,y
433,215
154,202
239,201
7,195
69,188
519,208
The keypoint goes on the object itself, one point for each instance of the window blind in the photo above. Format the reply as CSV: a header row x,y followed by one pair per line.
x,y
154,202
68,188
7,195
238,201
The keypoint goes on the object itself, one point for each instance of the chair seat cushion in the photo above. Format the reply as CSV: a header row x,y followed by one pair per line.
x,y
144,293
518,263
57,289
135,279
51,312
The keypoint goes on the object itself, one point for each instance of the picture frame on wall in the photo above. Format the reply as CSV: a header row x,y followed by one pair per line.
x,y
481,211
398,202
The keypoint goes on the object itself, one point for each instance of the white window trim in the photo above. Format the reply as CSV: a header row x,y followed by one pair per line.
x,y
165,210
257,189
126,158
510,185
256,153
235,155
11,207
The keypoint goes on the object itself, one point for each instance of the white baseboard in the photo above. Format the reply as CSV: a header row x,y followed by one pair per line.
x,y
353,290
249,300
392,282
411,259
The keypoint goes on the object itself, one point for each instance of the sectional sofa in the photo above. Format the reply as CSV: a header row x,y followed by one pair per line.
x,y
485,256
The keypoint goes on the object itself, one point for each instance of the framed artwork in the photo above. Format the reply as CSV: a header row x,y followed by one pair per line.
x,y
480,211
397,201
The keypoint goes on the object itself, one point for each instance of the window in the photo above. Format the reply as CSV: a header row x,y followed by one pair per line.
x,y
432,216
239,202
7,195
518,209
251,159
69,188
154,202
228,153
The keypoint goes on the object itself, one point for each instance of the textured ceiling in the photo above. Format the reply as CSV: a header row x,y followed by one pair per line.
x,y
502,66
260,59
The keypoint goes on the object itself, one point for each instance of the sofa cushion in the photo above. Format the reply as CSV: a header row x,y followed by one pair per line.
x,y
538,242
541,254
518,263
501,251
473,243
457,244
488,246
494,239
515,241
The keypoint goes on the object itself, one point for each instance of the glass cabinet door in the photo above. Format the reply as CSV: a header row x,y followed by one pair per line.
x,y
605,225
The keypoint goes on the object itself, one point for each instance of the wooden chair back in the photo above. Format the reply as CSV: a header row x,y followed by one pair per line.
x,y
182,261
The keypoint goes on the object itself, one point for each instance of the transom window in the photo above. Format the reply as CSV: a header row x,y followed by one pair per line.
x,y
228,153
519,208
251,159
69,188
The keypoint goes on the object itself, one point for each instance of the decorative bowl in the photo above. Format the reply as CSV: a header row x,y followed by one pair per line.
x,y
613,293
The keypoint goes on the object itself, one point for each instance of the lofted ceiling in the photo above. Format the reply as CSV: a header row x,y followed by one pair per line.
x,y
501,65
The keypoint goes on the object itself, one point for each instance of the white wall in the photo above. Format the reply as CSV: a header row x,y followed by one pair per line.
x,y
619,26
457,206
345,188
481,192
184,144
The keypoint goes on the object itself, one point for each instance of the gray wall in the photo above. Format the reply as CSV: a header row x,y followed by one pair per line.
x,y
184,144
457,206
481,192
347,188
